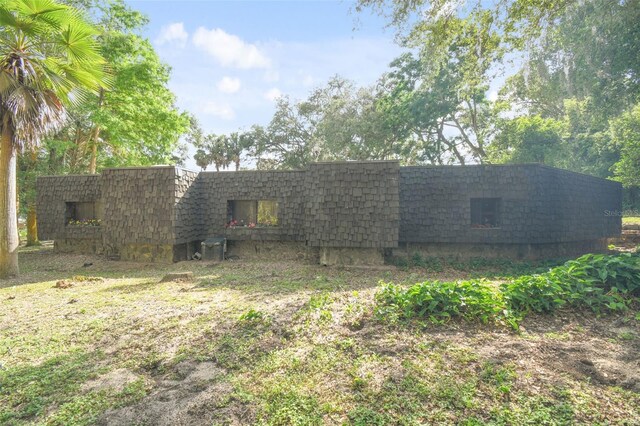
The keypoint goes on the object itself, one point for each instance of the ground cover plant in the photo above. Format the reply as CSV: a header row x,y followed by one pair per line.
x,y
285,343
597,282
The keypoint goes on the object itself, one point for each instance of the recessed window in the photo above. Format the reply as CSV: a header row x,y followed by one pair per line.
x,y
485,212
82,213
252,213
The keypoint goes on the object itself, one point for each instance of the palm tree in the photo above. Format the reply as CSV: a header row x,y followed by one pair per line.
x,y
48,58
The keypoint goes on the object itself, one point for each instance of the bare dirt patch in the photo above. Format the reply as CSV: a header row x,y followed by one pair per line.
x,y
193,394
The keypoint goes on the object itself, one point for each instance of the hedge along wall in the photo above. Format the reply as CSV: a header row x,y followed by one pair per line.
x,y
52,194
352,204
538,204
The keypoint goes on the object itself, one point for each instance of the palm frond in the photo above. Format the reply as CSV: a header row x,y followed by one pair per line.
x,y
48,57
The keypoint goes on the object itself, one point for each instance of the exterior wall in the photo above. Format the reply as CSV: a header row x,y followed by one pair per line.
x,y
538,205
573,206
272,250
53,192
352,204
138,210
188,212
285,187
162,213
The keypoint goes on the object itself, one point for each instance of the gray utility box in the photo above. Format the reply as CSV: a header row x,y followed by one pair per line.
x,y
214,248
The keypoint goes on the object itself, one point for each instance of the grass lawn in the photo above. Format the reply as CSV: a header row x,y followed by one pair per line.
x,y
291,344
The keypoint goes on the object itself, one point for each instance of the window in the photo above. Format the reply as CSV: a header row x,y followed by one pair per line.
x,y
82,213
252,213
485,212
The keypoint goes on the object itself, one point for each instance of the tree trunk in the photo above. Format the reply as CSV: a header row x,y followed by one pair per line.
x,y
93,138
94,150
8,215
32,226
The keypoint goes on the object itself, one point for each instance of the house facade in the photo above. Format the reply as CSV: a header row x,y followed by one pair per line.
x,y
332,213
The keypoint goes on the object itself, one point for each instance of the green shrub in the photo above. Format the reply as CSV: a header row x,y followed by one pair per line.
x,y
593,281
440,301
597,282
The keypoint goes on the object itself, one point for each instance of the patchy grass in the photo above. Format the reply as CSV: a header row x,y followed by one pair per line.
x,y
293,344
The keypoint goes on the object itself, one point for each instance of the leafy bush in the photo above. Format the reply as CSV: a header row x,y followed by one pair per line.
x,y
597,282
441,300
593,281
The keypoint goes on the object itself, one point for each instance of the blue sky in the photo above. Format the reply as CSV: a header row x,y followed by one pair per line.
x,y
231,59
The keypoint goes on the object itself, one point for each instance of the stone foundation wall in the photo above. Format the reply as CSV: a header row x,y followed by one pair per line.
x,y
78,245
160,253
271,250
350,256
465,251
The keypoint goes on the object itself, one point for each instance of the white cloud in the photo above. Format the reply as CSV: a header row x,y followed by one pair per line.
x,y
222,111
493,95
229,50
271,76
173,33
308,81
272,94
229,85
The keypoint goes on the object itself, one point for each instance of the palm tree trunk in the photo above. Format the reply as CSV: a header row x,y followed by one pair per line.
x,y
8,214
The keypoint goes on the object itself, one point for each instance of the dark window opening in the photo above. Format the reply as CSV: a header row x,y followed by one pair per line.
x,y
252,213
485,212
82,213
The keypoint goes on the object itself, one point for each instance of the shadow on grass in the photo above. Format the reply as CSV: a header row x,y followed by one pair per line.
x,y
132,288
417,395
28,392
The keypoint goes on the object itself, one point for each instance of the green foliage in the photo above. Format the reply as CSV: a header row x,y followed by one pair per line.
x,y
440,301
219,150
597,282
290,408
436,97
29,390
625,132
133,121
252,316
336,122
529,139
363,416
577,76
594,281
